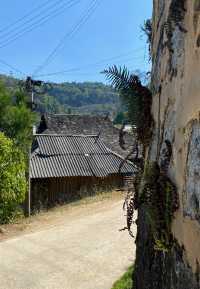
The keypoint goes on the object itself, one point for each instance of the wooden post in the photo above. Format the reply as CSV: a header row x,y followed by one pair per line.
x,y
29,187
28,195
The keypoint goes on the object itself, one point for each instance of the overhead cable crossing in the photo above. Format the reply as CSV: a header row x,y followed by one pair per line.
x,y
36,21
92,65
75,29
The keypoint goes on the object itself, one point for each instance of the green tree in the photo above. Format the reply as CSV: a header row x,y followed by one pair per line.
x,y
12,179
69,111
5,101
16,119
137,98
17,125
20,97
81,97
120,118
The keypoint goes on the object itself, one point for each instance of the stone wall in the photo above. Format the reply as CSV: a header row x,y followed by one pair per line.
x,y
176,112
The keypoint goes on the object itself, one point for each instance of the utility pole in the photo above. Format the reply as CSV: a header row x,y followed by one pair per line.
x,y
30,85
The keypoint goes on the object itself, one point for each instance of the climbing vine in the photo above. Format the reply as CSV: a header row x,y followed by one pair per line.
x,y
138,100
159,197
151,188
147,29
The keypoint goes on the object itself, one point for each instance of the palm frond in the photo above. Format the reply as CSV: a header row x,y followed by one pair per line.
x,y
135,96
119,77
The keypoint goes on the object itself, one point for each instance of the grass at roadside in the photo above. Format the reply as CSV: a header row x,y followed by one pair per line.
x,y
98,197
57,214
125,282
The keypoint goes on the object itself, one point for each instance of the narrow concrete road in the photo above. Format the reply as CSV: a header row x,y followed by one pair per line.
x,y
84,252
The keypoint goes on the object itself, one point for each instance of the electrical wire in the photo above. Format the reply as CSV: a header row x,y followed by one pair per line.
x,y
24,16
91,9
94,73
75,29
69,34
116,58
11,67
71,71
36,9
2,71
39,22
41,13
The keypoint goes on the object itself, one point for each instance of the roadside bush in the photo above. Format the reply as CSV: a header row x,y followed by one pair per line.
x,y
126,281
12,180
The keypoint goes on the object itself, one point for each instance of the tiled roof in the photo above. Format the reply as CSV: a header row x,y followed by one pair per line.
x,y
65,156
86,125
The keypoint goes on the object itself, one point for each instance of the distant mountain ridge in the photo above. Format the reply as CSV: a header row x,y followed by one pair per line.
x,y
72,97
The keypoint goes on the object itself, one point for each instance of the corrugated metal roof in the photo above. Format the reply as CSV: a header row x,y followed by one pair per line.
x,y
65,156
63,144
108,164
86,125
59,166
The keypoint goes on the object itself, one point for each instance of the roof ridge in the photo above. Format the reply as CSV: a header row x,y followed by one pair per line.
x,y
71,154
66,135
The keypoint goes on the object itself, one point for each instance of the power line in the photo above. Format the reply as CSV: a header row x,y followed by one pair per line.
x,y
117,58
94,73
92,7
71,71
69,34
38,22
24,16
3,71
11,67
41,13
73,30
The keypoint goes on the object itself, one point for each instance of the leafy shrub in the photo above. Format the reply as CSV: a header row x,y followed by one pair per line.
x,y
16,119
12,179
126,281
159,196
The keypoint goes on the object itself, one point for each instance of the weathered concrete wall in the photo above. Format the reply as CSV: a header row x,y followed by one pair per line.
x,y
176,112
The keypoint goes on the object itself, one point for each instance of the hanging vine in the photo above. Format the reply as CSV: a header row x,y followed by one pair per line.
x,y
159,197
137,98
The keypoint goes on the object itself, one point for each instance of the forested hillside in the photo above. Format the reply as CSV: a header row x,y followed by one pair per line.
x,y
73,97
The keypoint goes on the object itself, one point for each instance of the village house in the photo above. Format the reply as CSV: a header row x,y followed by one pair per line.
x,y
66,167
72,124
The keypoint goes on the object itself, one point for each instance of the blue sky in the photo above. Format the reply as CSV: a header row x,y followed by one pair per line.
x,y
85,38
